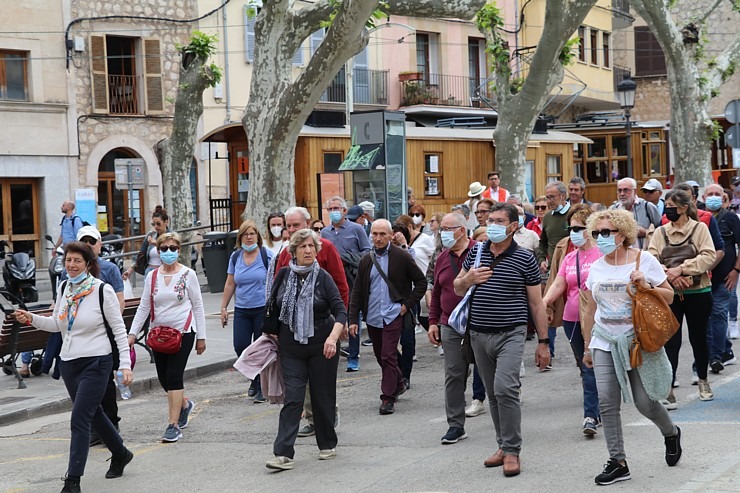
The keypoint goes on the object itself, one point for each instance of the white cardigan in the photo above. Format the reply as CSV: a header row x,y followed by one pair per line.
x,y
172,303
88,336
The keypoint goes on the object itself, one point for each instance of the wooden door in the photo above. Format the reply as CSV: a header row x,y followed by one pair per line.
x,y
19,215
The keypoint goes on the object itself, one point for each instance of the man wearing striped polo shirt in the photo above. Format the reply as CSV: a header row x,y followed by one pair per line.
x,y
507,288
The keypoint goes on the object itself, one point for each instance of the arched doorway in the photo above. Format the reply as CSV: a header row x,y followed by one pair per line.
x,y
122,208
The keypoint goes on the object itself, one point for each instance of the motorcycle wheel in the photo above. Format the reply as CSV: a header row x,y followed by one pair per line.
x,y
35,365
8,367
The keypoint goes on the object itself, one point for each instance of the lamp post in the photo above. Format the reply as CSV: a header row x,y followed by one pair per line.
x,y
626,92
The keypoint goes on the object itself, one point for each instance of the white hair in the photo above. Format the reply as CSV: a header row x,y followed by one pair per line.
x,y
631,181
336,198
299,210
457,217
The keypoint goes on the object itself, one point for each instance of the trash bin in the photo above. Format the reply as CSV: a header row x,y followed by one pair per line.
x,y
215,260
231,240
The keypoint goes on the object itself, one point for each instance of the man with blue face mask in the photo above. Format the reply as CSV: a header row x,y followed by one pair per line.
x,y
352,243
724,279
509,280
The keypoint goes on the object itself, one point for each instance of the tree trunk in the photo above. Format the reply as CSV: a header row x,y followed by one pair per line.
x,y
177,150
518,113
690,88
278,105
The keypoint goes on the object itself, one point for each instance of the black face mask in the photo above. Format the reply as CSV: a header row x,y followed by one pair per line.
x,y
672,213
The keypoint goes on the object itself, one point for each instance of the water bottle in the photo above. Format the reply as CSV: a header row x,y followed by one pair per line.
x,y
123,389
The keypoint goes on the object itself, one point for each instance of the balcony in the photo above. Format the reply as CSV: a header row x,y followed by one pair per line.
x,y
370,87
444,90
621,17
123,94
619,73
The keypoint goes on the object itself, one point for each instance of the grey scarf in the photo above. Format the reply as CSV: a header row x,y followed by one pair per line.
x,y
297,309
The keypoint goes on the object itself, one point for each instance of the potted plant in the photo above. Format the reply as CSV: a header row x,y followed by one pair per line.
x,y
408,75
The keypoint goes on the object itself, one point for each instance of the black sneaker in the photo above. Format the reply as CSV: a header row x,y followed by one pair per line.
x,y
386,407
259,398
673,448
71,485
252,392
118,463
344,352
613,472
716,366
454,435
367,342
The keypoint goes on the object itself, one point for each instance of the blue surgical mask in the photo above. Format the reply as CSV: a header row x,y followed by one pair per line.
x,y
606,245
521,221
335,216
448,238
496,233
169,257
577,238
78,278
249,248
713,203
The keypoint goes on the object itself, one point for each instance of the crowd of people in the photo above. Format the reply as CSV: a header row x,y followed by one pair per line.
x,y
519,270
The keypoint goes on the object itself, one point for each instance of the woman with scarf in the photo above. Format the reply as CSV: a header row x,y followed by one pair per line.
x,y
608,333
173,299
86,357
312,317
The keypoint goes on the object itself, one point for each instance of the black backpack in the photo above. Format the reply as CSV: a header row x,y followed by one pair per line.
x,y
84,223
263,254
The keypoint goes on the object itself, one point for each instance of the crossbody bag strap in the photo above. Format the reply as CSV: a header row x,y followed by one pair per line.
x,y
637,262
151,295
391,288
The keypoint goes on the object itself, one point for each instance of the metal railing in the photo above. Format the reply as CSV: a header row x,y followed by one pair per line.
x,y
370,87
123,94
444,90
619,73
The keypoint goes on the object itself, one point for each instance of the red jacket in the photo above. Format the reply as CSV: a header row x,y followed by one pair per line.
x,y
329,260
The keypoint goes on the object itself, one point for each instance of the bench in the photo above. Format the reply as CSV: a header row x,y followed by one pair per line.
x,y
16,338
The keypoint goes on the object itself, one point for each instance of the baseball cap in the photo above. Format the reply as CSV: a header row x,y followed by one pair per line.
x,y
693,183
354,212
736,180
652,184
367,206
90,231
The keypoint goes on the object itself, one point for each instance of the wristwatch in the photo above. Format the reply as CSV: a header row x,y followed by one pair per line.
x,y
546,340
736,269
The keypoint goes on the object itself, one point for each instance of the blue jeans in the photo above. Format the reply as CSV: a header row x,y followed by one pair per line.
x,y
51,354
247,328
479,390
551,333
588,378
717,339
26,357
354,343
733,304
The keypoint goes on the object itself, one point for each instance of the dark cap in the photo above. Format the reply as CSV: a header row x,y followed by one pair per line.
x,y
354,212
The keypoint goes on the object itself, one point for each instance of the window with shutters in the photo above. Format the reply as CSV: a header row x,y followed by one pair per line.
x,y
582,44
594,46
251,12
605,40
649,59
126,75
14,75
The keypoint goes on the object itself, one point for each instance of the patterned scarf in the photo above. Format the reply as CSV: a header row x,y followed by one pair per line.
x,y
297,308
73,297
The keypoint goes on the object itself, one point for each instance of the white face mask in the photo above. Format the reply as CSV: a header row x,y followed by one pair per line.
x,y
417,220
276,231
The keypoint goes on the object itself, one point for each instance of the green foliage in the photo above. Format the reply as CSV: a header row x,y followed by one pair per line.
x,y
379,14
201,45
736,5
489,20
569,52
729,71
515,85
251,9
716,130
212,73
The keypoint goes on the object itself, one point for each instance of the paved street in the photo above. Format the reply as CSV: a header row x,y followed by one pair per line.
x,y
229,440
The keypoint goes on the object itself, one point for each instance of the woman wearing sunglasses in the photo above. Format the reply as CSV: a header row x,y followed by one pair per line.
x,y
686,251
568,284
173,299
608,332
160,225
317,225
274,237
540,208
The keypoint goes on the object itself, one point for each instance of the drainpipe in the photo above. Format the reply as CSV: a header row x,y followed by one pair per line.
x,y
226,69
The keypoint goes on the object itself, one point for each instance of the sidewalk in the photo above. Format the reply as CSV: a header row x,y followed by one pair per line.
x,y
45,395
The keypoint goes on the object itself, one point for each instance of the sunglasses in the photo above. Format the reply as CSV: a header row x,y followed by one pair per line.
x,y
169,248
318,230
89,240
416,214
605,233
478,213
541,207
576,229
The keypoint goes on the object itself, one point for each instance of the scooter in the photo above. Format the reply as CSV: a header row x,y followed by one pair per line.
x,y
19,275
112,249
56,266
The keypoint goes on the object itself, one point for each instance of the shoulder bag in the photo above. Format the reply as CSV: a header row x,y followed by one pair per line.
x,y
163,339
458,319
409,320
582,300
674,255
652,318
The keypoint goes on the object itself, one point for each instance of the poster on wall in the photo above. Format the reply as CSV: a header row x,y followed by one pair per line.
x,y
86,205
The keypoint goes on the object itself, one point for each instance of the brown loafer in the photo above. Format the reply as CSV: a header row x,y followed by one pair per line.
x,y
511,465
495,460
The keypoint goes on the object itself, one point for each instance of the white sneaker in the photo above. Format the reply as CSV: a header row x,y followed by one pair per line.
x,y
440,350
732,331
419,329
522,370
327,454
476,408
280,462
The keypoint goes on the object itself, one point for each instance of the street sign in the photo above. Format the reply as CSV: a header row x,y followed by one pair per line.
x,y
732,111
732,136
130,174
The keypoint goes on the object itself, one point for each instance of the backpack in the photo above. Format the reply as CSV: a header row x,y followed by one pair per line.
x,y
263,254
84,223
652,319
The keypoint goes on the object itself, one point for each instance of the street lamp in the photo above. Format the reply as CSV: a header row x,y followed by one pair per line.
x,y
626,92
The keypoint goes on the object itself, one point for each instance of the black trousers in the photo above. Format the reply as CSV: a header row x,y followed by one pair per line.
x,y
697,308
110,401
171,367
86,380
303,364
